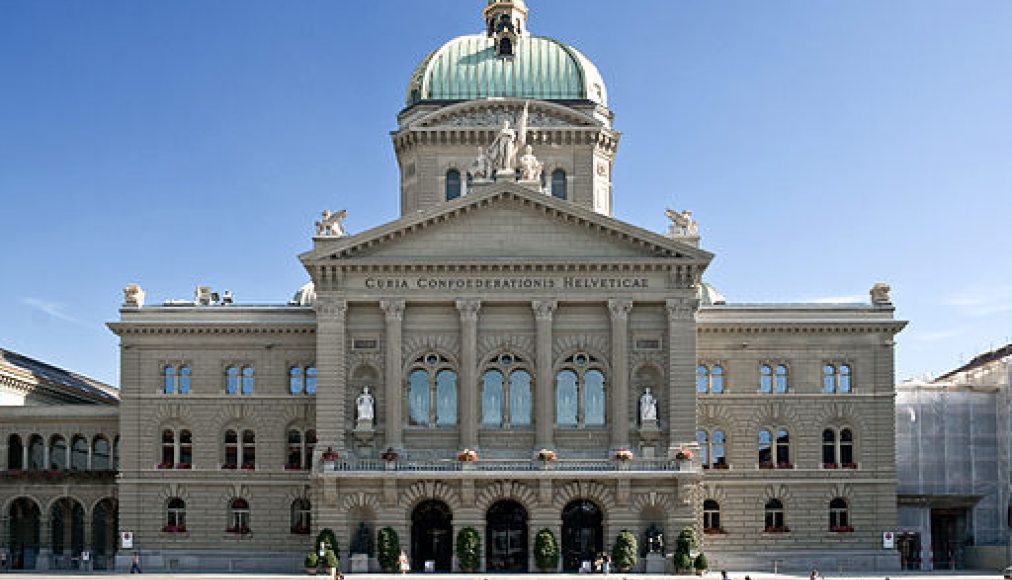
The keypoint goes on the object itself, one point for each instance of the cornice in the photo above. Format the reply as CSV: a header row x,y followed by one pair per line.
x,y
171,327
800,327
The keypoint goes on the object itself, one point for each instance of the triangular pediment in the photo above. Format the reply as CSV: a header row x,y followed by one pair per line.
x,y
490,114
505,223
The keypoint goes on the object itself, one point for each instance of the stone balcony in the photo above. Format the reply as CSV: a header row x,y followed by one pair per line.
x,y
497,468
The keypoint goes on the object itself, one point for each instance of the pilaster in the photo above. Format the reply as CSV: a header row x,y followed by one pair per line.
x,y
468,400
394,315
331,374
619,309
681,370
544,421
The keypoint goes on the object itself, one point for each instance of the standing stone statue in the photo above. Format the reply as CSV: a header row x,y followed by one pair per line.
x,y
648,409
530,167
366,407
502,154
480,167
330,226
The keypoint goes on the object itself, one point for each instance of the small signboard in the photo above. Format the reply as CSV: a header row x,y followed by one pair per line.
x,y
888,540
126,540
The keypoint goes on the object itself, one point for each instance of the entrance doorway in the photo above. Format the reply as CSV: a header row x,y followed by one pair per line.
x,y
432,536
25,517
948,536
103,534
909,546
506,537
582,534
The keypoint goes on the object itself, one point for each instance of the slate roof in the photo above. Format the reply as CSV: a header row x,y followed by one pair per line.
x,y
979,361
61,380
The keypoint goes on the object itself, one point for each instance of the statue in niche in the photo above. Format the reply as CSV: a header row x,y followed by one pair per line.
x,y
366,406
330,226
655,540
362,542
648,409
530,167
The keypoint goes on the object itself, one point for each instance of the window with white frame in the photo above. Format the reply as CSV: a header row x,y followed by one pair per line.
x,y
580,392
175,516
839,516
711,517
238,516
775,519
775,453
301,514
506,393
432,392
773,378
712,448
176,379
177,449
302,380
838,448
239,380
837,378
709,379
300,449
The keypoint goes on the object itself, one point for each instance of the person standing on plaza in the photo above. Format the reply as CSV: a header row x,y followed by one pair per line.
x,y
402,562
135,563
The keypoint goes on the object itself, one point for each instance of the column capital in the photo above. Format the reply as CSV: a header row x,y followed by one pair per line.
x,y
544,309
469,308
620,308
394,309
331,308
682,308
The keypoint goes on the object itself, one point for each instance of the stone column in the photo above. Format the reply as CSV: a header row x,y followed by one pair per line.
x,y
4,451
45,455
42,559
619,309
681,371
468,387
331,374
24,454
544,382
393,396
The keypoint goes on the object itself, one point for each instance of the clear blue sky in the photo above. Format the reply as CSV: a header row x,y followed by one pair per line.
x,y
823,146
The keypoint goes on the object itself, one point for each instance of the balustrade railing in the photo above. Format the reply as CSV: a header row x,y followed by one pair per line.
x,y
504,465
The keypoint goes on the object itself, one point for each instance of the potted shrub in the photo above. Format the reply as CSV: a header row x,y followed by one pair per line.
x,y
469,549
390,454
328,539
329,562
683,455
547,456
624,552
311,562
624,454
684,545
388,549
546,551
683,563
701,564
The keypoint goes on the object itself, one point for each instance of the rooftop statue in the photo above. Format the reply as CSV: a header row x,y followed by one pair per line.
x,y
682,224
530,167
330,226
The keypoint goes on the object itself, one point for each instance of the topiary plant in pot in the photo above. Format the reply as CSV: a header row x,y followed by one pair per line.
x,y
310,563
624,552
701,564
388,549
469,549
329,562
546,551
328,538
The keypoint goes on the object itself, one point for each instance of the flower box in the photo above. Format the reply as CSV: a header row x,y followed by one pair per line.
x,y
174,529
293,468
841,529
228,466
165,465
547,455
785,465
467,456
624,454
683,455
777,529
766,465
242,531
249,466
330,455
184,466
850,466
830,466
390,455
301,530
719,466
714,531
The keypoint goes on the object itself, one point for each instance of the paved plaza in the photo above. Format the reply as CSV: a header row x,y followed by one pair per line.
x,y
734,575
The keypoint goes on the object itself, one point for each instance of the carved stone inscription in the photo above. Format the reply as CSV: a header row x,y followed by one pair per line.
x,y
508,283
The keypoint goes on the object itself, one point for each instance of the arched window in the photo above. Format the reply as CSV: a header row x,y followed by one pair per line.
x,y
231,450
506,393
775,454
836,378
231,380
711,449
184,380
775,521
765,379
432,392
765,449
784,449
847,449
15,452
169,380
580,393
711,517
238,517
505,47
79,453
559,184
709,379
175,516
295,385
780,379
57,453
829,449
839,518
301,512
247,380
717,379
453,185
311,380
185,450
294,450
168,449
249,449
36,453
703,438
310,447
702,380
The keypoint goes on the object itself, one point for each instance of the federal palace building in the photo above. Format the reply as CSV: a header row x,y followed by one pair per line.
x,y
505,356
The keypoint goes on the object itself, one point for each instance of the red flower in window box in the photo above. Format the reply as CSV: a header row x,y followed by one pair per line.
x,y
719,466
292,467
683,454
228,466
184,466
830,466
785,465
467,456
777,529
170,529
713,531
766,465
165,465
841,529
300,529
624,454
241,530
249,466
330,455
850,466
390,454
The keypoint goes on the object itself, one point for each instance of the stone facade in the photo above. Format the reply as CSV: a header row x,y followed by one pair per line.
x,y
507,318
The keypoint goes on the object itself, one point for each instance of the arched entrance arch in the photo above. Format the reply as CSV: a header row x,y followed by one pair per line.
x,y
25,517
104,525
67,517
506,537
432,536
582,533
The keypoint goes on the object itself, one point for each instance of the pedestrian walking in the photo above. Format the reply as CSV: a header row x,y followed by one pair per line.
x,y
402,562
135,563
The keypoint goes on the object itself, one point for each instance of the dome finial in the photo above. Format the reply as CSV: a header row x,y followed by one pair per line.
x,y
506,22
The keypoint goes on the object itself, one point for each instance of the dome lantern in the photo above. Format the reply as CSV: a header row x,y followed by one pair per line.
x,y
506,23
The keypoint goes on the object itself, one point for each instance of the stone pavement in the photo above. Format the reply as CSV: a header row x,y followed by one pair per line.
x,y
734,575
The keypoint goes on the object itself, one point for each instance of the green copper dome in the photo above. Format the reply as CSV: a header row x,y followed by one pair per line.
x,y
468,67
